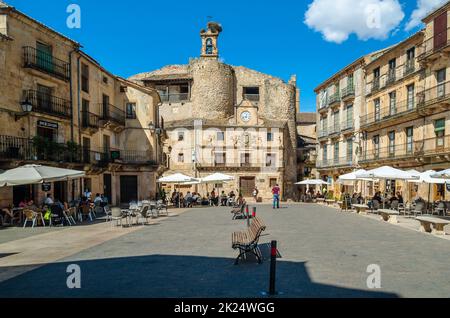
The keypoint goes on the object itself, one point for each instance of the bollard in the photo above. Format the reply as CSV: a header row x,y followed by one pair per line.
x,y
273,268
247,213
254,212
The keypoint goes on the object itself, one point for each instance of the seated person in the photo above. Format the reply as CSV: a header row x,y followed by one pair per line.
x,y
49,201
98,199
223,199
188,199
400,198
23,203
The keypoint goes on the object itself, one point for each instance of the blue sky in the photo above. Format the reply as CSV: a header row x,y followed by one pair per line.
x,y
134,36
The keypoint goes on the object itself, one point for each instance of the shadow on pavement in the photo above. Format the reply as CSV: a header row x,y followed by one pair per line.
x,y
163,276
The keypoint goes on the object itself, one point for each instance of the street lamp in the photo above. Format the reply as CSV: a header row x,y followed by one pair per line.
x,y
26,106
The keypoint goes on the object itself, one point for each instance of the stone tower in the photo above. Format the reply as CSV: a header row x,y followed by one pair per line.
x,y
212,89
209,40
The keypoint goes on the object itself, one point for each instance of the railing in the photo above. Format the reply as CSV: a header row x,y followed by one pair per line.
x,y
112,114
89,120
45,62
389,152
335,162
409,68
323,133
174,98
428,47
431,146
16,148
49,104
391,77
347,125
334,129
335,98
434,95
348,91
388,112
252,97
135,156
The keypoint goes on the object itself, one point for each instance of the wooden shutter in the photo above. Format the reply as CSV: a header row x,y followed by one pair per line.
x,y
440,31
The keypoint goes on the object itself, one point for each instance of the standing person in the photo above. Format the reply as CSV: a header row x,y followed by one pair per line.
x,y
276,196
255,194
87,194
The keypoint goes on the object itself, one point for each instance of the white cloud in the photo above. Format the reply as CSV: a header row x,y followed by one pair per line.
x,y
423,8
368,19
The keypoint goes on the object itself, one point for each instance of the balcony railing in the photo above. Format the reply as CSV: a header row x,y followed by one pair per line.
x,y
391,152
347,125
430,46
334,129
112,114
347,92
335,162
135,156
433,95
389,112
89,120
334,99
410,67
174,98
45,62
323,133
391,77
15,148
252,97
48,104
433,146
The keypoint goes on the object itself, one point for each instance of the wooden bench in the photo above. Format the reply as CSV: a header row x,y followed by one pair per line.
x,y
438,224
239,212
247,241
360,208
389,215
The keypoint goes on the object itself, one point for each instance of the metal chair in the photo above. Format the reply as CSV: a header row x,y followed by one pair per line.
x,y
86,212
30,216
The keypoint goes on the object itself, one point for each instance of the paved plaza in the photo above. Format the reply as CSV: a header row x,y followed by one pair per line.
x,y
324,253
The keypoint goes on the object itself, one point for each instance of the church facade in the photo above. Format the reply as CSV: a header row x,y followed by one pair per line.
x,y
228,119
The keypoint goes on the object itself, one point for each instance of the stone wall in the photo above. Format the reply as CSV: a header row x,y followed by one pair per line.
x,y
212,89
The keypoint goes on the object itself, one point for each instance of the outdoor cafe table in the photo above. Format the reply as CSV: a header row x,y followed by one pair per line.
x,y
360,208
389,215
320,200
330,202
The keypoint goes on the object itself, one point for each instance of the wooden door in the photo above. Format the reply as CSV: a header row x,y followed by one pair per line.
x,y
247,185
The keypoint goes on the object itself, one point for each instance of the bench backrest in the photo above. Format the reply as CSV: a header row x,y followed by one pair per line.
x,y
255,230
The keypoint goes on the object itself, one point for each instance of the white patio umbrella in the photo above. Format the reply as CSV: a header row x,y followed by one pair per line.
x,y
178,179
387,173
217,178
36,174
426,177
441,175
312,182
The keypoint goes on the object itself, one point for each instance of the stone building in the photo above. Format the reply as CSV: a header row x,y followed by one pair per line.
x,y
404,112
60,107
229,119
306,145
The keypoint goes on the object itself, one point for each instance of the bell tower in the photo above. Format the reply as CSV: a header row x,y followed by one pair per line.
x,y
209,40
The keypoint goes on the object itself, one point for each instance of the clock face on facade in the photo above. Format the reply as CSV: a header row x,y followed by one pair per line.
x,y
246,116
